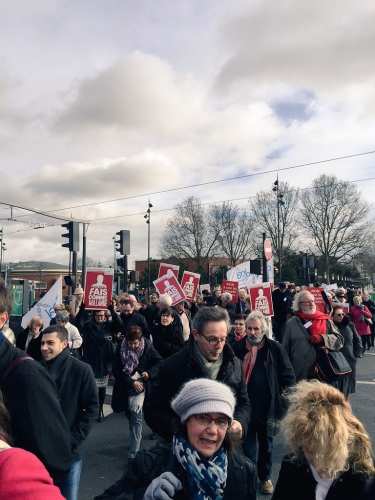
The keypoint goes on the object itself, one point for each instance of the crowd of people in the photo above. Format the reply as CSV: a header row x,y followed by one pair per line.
x,y
210,379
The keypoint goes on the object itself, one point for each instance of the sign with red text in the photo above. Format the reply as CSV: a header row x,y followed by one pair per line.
x,y
98,287
261,299
230,287
170,285
189,284
168,270
319,301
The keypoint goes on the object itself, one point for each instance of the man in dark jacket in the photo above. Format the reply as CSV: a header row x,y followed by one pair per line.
x,y
130,318
282,301
37,421
268,373
228,305
78,397
205,355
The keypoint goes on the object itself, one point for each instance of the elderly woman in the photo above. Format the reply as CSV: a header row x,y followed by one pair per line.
x,y
22,474
202,462
361,317
306,331
370,304
331,451
352,350
74,338
29,339
167,336
136,363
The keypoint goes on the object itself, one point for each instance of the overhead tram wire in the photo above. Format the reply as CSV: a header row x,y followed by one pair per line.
x,y
209,182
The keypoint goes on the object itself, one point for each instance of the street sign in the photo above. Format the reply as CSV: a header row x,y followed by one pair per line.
x,y
267,249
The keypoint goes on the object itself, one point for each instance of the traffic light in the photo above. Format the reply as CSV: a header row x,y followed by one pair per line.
x,y
73,235
124,242
133,276
256,267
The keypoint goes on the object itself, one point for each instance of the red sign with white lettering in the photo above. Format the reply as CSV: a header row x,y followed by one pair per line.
x,y
170,285
168,269
319,301
230,287
189,284
261,299
98,288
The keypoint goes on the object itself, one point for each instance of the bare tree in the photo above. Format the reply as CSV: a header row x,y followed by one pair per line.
x,y
235,226
189,234
333,214
263,208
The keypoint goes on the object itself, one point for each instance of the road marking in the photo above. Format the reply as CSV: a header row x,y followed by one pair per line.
x,y
365,382
107,410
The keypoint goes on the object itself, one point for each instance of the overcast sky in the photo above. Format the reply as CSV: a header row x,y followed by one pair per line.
x,y
117,99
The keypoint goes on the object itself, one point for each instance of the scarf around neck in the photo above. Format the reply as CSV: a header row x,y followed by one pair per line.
x,y
130,358
206,477
210,369
318,320
250,358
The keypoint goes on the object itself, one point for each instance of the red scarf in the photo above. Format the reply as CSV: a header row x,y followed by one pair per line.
x,y
250,358
318,320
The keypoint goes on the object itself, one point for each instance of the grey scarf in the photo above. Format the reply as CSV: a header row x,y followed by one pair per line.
x,y
210,369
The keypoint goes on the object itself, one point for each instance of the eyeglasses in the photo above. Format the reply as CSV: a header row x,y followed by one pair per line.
x,y
341,296
340,314
214,341
56,310
308,302
205,420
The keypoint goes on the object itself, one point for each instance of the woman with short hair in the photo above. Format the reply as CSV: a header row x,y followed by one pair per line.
x,y
167,336
29,340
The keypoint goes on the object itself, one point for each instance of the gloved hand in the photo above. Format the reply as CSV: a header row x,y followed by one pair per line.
x,y
110,307
315,340
163,487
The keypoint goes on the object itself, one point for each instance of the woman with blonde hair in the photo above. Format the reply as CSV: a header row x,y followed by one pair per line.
x,y
29,340
331,451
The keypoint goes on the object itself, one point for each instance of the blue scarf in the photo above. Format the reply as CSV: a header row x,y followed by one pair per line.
x,y
206,477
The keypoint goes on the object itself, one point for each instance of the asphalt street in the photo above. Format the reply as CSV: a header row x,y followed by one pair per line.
x,y
105,450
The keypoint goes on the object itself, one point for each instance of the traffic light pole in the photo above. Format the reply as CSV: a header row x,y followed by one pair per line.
x,y
75,268
83,278
125,273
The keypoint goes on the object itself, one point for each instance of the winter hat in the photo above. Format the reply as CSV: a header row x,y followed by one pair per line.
x,y
78,290
203,396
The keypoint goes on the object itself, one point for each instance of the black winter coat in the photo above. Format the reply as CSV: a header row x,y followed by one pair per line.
x,y
135,319
297,482
280,376
231,310
78,395
149,362
167,340
179,369
37,421
33,349
152,462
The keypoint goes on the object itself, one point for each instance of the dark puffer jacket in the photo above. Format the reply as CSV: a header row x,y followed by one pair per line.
x,y
179,369
152,462
167,340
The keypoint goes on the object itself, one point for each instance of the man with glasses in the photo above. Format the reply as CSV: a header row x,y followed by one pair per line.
x,y
307,330
206,355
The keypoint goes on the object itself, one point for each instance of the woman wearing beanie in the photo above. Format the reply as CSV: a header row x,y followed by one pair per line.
x,y
202,462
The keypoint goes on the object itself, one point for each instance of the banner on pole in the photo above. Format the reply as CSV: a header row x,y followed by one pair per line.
x,y
319,301
231,287
189,284
98,287
261,299
45,307
170,285
168,270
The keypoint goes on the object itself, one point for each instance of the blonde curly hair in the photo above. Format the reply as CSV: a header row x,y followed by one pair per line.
x,y
320,418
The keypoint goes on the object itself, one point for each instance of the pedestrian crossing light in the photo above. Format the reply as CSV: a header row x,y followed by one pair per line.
x,y
73,235
124,242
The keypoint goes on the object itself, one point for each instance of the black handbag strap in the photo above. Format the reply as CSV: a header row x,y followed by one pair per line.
x,y
12,365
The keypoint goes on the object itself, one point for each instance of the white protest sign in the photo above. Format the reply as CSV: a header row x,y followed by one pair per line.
x,y
45,307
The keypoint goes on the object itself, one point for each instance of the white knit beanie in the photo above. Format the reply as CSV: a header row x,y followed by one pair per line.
x,y
203,396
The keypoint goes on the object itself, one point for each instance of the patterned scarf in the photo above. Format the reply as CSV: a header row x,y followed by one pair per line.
x,y
130,358
250,358
206,477
318,319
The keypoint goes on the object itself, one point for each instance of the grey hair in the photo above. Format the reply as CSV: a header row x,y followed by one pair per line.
x,y
297,299
227,297
165,299
207,314
62,316
255,316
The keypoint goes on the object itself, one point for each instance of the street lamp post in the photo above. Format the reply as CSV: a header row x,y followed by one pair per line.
x,y
148,221
279,198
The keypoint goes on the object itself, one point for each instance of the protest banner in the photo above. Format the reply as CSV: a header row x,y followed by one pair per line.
x,y
231,287
172,287
242,274
98,288
261,299
168,270
319,301
45,307
189,284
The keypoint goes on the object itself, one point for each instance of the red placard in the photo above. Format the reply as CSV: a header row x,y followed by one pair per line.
x,y
319,302
98,288
261,299
189,284
267,249
230,287
164,268
170,285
